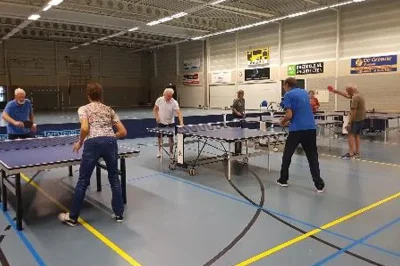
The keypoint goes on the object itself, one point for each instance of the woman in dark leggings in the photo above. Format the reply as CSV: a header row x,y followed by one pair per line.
x,y
100,141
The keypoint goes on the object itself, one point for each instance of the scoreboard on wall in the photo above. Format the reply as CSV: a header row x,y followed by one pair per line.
x,y
258,57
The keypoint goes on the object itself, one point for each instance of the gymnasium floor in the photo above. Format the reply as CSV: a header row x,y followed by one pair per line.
x,y
175,219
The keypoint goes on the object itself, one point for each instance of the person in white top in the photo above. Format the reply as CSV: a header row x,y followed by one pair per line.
x,y
165,109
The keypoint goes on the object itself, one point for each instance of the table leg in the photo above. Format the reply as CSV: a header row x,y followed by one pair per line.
x,y
98,177
229,161
4,191
2,176
18,194
70,170
123,179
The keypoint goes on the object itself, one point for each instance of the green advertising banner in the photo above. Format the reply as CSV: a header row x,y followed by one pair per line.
x,y
291,70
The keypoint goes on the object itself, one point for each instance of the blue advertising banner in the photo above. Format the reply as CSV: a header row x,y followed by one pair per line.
x,y
376,64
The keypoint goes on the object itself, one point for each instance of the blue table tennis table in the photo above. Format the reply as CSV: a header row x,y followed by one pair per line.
x,y
220,136
43,153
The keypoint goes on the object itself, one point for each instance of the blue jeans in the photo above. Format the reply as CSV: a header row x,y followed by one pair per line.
x,y
94,149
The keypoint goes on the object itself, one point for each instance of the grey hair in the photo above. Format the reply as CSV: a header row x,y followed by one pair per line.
x,y
351,86
168,90
19,91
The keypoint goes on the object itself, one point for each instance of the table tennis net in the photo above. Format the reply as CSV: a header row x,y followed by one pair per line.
x,y
188,129
32,143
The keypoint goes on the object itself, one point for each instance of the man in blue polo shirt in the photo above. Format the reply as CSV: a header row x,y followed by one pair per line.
x,y
19,115
302,130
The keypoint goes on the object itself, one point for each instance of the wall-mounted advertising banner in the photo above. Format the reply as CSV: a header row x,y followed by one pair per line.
x,y
375,64
191,79
221,77
306,69
257,74
258,57
191,64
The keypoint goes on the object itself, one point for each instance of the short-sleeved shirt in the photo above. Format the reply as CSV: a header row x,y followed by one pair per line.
x,y
239,105
166,110
101,119
299,102
18,112
357,102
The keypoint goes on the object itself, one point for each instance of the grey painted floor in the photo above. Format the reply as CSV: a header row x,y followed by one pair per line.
x,y
176,219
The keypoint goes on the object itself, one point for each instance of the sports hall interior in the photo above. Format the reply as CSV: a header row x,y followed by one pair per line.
x,y
208,50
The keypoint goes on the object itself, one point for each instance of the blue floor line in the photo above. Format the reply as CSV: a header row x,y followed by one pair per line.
x,y
232,197
357,242
23,238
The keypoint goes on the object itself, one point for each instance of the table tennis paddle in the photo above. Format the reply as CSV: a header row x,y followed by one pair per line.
x,y
330,88
28,124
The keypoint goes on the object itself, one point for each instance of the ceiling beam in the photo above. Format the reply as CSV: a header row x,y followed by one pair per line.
x,y
71,17
244,12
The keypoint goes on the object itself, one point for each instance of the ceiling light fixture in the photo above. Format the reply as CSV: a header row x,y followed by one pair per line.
x,y
34,17
46,7
162,20
55,2
217,2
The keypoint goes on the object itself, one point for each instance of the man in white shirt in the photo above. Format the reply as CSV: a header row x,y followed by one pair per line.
x,y
164,110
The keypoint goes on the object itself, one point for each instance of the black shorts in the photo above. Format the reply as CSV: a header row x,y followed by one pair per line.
x,y
165,125
356,127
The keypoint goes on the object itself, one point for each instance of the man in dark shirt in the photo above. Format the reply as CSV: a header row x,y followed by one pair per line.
x,y
302,130
239,105
238,111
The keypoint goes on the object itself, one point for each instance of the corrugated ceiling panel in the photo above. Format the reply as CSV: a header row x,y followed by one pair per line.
x,y
370,29
223,52
259,37
309,38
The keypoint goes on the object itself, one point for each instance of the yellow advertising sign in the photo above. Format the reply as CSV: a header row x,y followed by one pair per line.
x,y
257,57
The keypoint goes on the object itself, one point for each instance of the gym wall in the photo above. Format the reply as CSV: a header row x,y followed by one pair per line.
x,y
369,30
163,70
334,38
192,95
54,75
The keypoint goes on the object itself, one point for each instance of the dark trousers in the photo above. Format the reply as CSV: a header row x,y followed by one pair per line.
x,y
308,140
94,149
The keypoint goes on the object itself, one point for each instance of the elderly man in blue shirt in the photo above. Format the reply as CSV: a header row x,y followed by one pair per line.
x,y
19,115
302,130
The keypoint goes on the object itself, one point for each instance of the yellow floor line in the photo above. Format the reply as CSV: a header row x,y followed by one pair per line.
x,y
315,231
86,225
363,160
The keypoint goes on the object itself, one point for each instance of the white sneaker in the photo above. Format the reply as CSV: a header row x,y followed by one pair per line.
x,y
64,217
158,154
